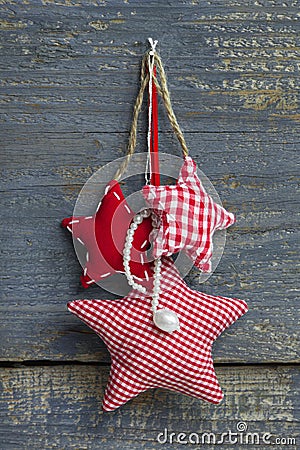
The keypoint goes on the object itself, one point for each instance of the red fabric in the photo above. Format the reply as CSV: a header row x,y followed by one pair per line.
x,y
145,357
189,217
103,235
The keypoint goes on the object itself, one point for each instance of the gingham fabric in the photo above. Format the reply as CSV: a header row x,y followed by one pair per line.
x,y
103,234
145,357
188,217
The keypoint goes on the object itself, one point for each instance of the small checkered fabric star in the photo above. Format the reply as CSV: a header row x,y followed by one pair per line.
x,y
103,234
145,357
188,217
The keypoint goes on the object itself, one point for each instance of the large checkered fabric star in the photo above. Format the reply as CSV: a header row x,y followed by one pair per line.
x,y
103,234
145,357
188,217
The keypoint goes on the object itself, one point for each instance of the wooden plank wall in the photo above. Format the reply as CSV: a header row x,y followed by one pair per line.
x,y
69,78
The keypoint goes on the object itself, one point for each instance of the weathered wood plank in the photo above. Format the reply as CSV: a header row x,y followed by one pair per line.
x,y
60,407
42,274
61,82
259,263
39,281
232,67
85,111
70,158
69,74
255,174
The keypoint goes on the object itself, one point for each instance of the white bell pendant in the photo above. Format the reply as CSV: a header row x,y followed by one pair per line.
x,y
166,320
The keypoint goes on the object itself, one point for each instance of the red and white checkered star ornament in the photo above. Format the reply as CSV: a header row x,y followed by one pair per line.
x,y
189,217
145,357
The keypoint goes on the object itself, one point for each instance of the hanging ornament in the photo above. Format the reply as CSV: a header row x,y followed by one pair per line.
x,y
103,234
144,356
161,334
189,217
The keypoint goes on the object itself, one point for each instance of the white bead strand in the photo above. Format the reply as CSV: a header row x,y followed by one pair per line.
x,y
137,220
165,319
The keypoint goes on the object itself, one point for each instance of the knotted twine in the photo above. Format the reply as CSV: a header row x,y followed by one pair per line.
x,y
162,89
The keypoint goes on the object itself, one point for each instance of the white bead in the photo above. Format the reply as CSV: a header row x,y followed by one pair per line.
x,y
134,226
166,320
146,213
157,278
138,219
139,288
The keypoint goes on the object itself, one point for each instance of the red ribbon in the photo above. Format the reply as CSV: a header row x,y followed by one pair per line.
x,y
155,177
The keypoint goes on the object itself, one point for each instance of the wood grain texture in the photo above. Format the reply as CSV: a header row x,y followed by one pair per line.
x,y
69,76
42,272
60,407
231,67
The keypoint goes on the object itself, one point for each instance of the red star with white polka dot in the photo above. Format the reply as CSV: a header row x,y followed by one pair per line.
x,y
103,234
